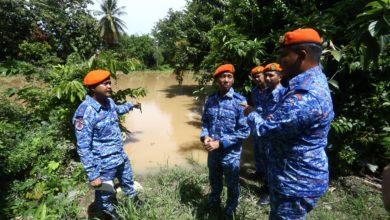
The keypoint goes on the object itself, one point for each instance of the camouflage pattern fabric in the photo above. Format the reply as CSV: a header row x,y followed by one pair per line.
x,y
223,120
298,128
100,145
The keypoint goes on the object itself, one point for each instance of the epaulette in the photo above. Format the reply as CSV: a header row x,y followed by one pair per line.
x,y
239,96
81,110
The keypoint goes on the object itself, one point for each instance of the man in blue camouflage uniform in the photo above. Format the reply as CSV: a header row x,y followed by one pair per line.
x,y
275,90
99,139
224,128
269,99
298,128
258,96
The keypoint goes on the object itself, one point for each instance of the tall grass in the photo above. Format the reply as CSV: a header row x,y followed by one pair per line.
x,y
180,194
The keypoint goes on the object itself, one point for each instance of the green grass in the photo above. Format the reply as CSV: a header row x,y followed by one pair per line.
x,y
180,194
351,200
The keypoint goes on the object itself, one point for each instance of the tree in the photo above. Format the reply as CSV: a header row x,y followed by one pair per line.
x,y
66,26
110,25
167,32
16,24
141,47
356,59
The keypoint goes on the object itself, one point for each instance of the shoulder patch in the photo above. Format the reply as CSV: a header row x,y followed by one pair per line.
x,y
79,124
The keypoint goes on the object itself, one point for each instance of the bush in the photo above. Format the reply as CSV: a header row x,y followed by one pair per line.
x,y
39,163
37,53
34,158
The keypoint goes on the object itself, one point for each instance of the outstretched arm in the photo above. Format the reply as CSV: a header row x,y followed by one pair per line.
x,y
125,108
296,112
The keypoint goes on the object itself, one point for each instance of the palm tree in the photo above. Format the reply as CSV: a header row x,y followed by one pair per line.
x,y
110,25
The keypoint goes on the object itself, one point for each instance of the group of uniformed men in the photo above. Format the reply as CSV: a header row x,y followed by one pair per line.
x,y
289,119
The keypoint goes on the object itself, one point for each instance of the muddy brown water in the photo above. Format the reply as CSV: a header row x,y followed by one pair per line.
x,y
166,133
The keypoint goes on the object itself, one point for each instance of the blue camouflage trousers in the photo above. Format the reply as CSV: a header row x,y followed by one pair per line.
x,y
124,174
288,207
260,156
227,165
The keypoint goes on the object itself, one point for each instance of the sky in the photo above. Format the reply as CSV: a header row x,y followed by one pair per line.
x,y
142,15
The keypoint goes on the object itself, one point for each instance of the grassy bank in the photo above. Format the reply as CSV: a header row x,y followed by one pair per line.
x,y
179,193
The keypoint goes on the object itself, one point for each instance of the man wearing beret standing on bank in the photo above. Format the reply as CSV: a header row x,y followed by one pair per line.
x,y
224,128
99,139
270,97
257,100
298,127
259,96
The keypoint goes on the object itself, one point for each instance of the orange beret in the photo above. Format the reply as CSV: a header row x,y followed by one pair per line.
x,y
224,68
257,69
273,67
305,35
95,77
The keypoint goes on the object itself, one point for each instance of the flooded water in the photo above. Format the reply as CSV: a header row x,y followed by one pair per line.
x,y
166,133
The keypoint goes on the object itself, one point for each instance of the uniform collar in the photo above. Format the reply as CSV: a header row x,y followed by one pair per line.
x,y
95,104
303,80
276,91
229,94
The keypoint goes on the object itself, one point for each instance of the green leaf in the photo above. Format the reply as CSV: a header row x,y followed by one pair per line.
x,y
53,165
372,167
373,4
43,213
373,28
11,91
58,92
336,55
92,62
72,97
334,83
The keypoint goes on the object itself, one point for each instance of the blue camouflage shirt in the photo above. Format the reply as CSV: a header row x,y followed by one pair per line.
x,y
264,101
223,119
99,139
271,99
298,128
258,97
